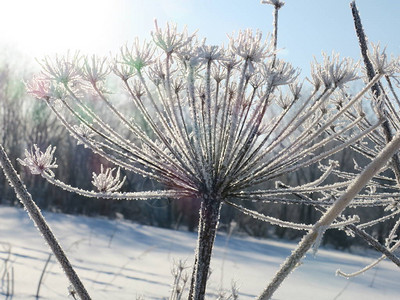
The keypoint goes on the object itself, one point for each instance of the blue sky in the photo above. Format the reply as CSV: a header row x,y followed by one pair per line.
x,y
306,27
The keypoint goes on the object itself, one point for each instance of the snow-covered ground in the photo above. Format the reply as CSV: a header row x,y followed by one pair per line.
x,y
124,260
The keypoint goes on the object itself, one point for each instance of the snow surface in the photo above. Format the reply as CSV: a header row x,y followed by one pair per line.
x,y
124,260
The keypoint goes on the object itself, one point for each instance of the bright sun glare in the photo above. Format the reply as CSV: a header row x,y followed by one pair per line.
x,y
48,26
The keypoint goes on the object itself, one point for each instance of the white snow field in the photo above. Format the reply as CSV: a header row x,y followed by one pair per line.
x,y
124,260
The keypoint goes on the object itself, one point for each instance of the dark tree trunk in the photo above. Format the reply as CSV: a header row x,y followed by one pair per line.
x,y
208,223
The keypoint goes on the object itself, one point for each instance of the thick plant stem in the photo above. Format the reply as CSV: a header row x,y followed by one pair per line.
x,y
208,223
40,223
308,240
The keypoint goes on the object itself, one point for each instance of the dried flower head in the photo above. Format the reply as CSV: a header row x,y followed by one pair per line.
x,y
95,69
157,72
250,46
257,80
169,40
207,53
138,89
276,3
137,56
121,70
279,72
218,73
105,181
230,62
284,100
42,88
39,162
39,87
211,142
84,132
380,61
295,88
62,69
333,72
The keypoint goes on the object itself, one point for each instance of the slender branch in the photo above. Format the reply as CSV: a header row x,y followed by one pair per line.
x,y
287,224
148,195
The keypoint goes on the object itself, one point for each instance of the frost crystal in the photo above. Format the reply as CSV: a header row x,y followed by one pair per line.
x,y
39,162
320,233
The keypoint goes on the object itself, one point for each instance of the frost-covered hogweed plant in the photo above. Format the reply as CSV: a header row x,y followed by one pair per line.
x,y
212,124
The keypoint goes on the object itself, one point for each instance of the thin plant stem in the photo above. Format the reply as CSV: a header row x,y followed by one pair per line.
x,y
375,88
42,276
275,34
331,214
37,217
356,230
